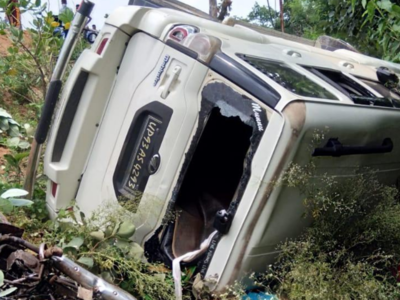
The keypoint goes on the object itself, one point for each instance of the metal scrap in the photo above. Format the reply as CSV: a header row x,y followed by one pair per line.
x,y
32,272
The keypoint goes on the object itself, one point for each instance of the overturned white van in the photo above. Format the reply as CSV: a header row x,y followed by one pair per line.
x,y
188,123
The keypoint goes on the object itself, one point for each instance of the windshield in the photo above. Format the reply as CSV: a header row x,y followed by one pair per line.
x,y
288,78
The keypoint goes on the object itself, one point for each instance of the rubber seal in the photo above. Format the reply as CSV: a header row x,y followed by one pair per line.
x,y
48,111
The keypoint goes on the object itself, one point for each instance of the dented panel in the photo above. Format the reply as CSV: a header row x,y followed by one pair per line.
x,y
217,99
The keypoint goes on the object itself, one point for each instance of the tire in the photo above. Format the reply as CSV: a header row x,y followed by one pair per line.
x,y
91,37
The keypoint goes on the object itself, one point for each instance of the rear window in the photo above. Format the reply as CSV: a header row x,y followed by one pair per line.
x,y
288,78
381,89
341,82
355,91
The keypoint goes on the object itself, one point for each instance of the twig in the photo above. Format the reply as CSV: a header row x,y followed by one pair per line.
x,y
42,75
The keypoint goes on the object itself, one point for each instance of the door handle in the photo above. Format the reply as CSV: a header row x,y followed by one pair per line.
x,y
335,148
171,80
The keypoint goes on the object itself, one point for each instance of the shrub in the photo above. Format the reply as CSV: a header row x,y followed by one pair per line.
x,y
351,250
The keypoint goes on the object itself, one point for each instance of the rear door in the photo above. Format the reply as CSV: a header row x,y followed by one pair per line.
x,y
150,116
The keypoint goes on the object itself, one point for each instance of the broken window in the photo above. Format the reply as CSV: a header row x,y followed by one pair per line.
x,y
288,78
211,180
342,82
213,177
392,94
353,89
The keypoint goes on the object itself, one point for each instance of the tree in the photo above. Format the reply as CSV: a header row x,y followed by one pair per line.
x,y
301,17
220,11
213,8
371,26
382,22
263,15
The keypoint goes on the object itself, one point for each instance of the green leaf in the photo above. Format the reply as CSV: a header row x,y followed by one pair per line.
x,y
116,227
6,206
396,27
13,122
14,193
38,3
385,4
97,235
83,217
396,10
87,261
109,231
126,230
8,291
160,277
20,202
11,160
364,3
4,114
136,251
123,245
370,11
76,243
24,145
66,16
14,131
70,251
4,125
14,31
13,142
188,274
20,156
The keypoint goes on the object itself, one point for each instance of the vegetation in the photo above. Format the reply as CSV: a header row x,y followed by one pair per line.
x,y
357,260
351,251
372,26
220,11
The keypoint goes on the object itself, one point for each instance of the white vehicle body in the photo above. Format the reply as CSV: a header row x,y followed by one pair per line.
x,y
201,126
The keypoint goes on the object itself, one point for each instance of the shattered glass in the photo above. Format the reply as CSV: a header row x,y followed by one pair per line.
x,y
288,78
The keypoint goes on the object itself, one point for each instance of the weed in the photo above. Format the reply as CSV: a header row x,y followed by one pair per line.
x,y
351,250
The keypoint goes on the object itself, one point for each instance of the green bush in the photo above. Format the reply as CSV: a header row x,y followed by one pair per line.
x,y
352,248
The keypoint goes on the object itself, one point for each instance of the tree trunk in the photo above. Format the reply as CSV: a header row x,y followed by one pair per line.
x,y
271,19
213,8
226,4
281,13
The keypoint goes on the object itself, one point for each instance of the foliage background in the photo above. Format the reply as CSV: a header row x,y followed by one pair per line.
x,y
352,262
371,26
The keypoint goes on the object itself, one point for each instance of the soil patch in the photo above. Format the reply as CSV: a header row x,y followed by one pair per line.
x,y
5,42
3,151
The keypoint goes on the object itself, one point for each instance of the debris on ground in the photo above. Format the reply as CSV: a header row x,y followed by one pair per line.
x,y
31,272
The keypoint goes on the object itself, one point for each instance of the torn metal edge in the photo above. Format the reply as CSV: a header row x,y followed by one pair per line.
x,y
231,104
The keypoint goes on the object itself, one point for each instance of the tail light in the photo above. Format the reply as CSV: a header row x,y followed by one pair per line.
x,y
204,45
188,36
54,187
102,46
179,33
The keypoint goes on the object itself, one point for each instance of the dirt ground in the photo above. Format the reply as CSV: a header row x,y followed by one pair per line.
x,y
7,103
3,151
5,42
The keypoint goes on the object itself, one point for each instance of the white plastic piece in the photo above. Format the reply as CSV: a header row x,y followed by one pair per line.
x,y
14,193
171,80
176,267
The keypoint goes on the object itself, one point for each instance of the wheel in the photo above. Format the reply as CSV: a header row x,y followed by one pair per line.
x,y
91,37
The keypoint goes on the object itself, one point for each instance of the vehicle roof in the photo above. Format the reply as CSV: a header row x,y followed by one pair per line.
x,y
238,39
157,21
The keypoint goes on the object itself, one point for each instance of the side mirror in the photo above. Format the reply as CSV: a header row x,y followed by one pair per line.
x,y
387,77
